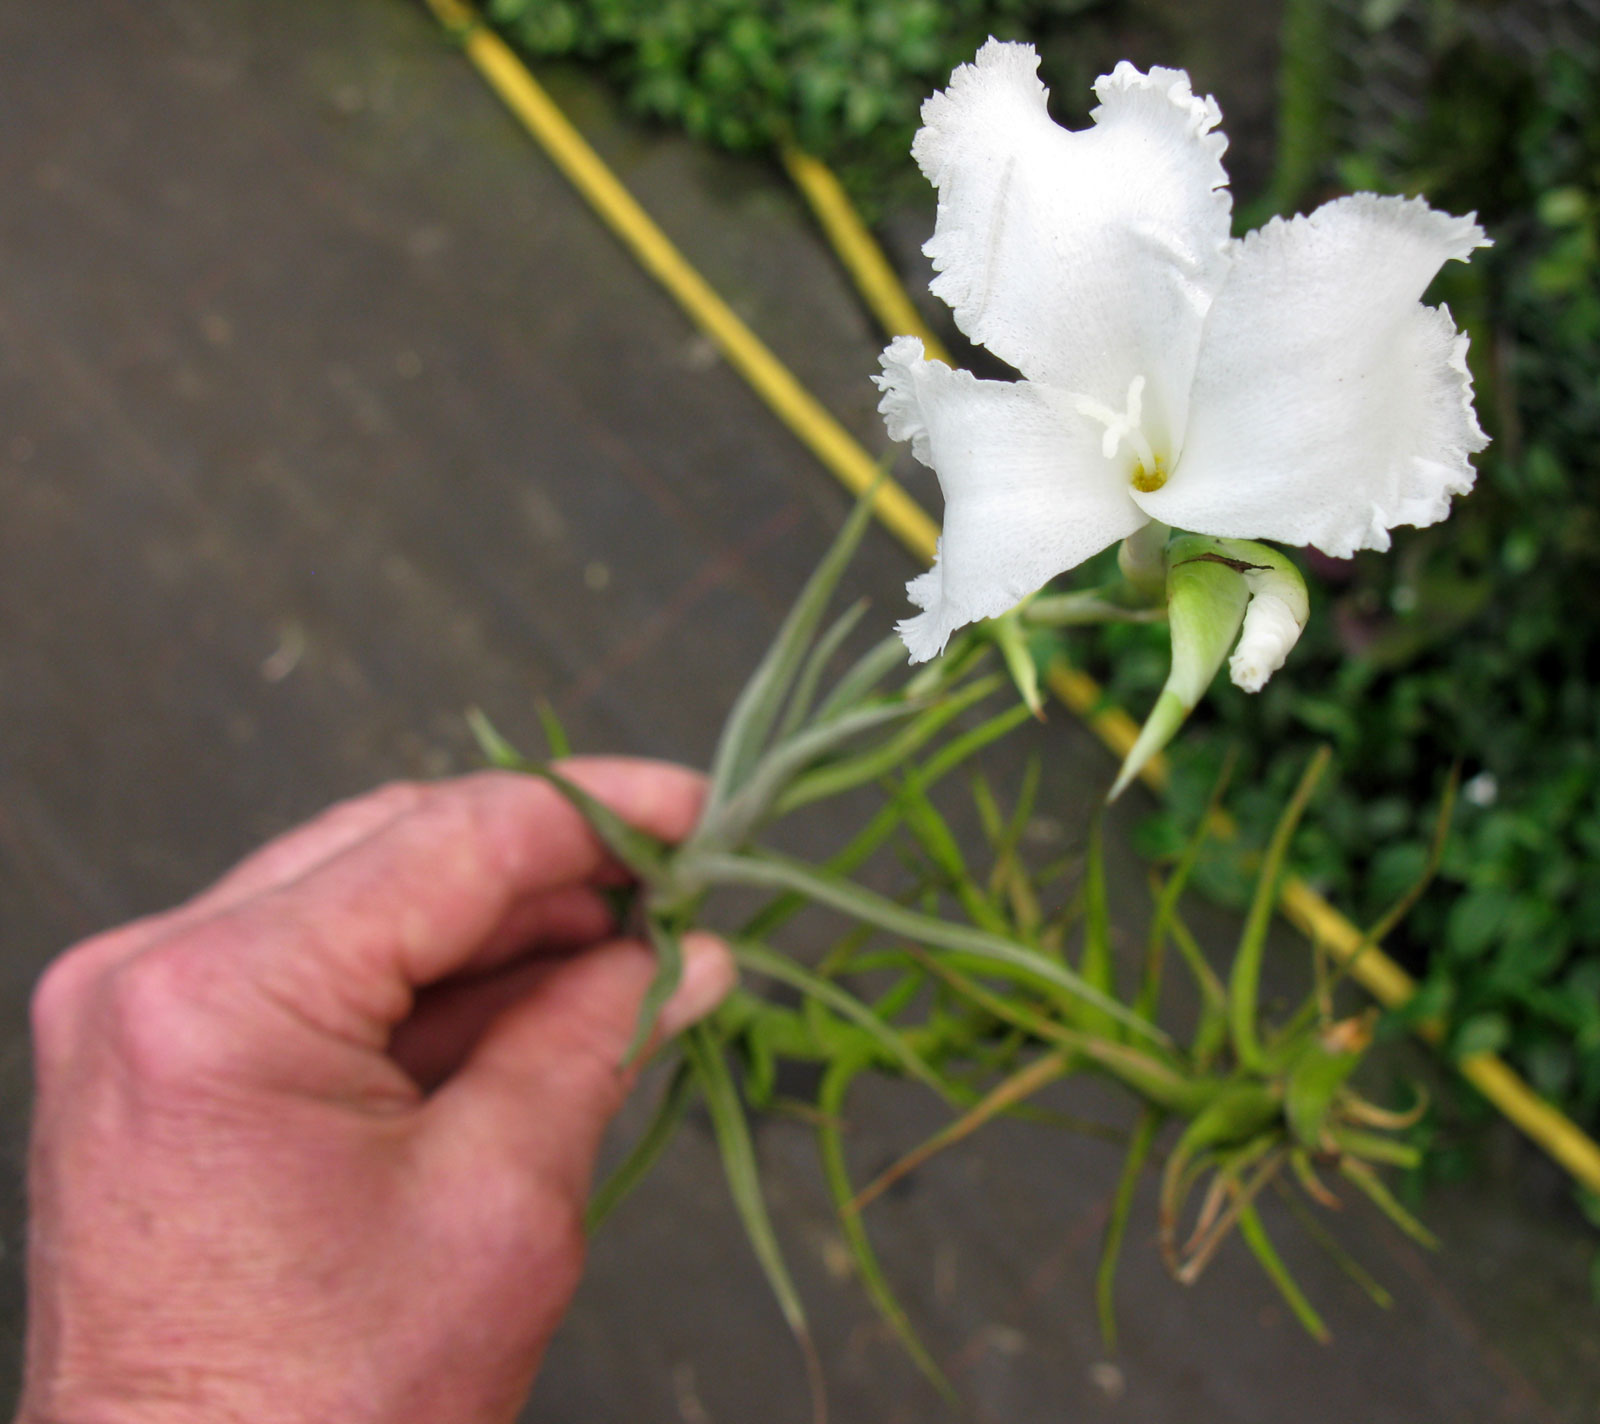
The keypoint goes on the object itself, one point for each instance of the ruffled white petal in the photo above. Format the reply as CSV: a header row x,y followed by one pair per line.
x,y
1084,259
1329,405
1028,493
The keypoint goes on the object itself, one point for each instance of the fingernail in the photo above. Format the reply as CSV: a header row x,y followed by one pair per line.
x,y
708,974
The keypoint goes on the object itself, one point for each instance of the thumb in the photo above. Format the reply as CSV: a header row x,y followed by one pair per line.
x,y
546,1078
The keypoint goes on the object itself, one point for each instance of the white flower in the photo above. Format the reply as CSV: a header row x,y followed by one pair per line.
x,y
1288,386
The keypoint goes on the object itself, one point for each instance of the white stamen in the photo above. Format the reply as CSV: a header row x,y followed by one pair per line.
x,y
1120,425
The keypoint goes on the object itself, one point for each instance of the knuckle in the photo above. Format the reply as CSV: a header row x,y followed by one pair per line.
x,y
156,1019
57,1004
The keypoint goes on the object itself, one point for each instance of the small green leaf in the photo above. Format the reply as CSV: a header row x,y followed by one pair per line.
x,y
1357,1172
830,1141
878,762
668,975
555,735
633,1168
744,1184
1105,1276
639,851
772,871
805,689
756,710
891,1041
1245,978
497,751
1255,1237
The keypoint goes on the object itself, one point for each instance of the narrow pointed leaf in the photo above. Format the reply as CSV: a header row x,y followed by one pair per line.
x,y
497,751
1244,980
780,967
1009,637
555,735
1362,1176
1347,1263
1149,995
642,1156
830,1141
1022,1084
638,850
883,824
880,761
862,678
1096,967
772,871
728,824
805,688
744,1185
1254,1235
1105,1276
756,710
668,975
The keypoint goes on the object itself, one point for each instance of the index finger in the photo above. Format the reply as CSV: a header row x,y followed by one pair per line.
x,y
411,903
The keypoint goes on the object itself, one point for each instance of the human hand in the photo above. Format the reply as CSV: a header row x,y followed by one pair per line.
x,y
315,1145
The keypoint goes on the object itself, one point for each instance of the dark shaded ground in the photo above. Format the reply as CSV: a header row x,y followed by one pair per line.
x,y
326,410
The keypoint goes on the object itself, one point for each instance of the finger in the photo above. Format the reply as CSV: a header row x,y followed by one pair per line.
x,y
546,1077
292,854
280,861
448,1018
418,899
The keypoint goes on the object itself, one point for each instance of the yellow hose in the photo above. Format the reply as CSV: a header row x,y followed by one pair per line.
x,y
840,452
745,352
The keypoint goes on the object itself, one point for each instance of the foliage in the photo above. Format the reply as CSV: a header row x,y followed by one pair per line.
x,y
1474,642
983,988
842,78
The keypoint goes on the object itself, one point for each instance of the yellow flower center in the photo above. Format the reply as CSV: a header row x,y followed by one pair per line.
x,y
1147,479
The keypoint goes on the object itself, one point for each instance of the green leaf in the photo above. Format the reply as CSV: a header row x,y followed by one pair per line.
x,y
497,751
639,851
1096,965
1008,635
757,707
835,1169
644,1153
891,1041
1105,1276
668,975
805,689
1245,979
728,825
1329,1243
860,680
1255,1237
1357,1172
1167,904
880,761
738,1154
555,735
771,871
883,824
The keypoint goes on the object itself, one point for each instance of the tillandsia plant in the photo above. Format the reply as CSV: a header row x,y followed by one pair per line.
x,y
1288,387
